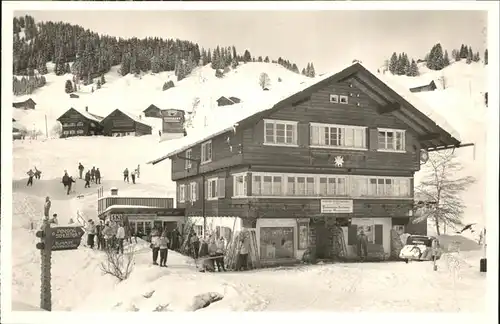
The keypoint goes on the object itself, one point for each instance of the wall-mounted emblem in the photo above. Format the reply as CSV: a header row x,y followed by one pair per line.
x,y
339,161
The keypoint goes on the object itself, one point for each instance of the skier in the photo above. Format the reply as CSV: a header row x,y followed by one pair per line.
x,y
133,176
97,176
125,175
87,179
80,169
65,179
30,178
46,207
70,183
92,174
38,174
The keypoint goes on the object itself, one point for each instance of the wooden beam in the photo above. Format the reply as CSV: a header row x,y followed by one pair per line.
x,y
429,137
370,93
393,106
415,126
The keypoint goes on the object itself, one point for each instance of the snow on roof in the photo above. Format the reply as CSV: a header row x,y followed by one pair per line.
x,y
134,117
419,104
88,115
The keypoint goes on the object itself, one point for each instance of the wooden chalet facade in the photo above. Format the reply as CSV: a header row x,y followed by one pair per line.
x,y
314,170
27,104
75,122
152,111
428,87
120,123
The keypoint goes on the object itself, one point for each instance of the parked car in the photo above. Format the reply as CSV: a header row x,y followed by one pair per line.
x,y
421,248
17,135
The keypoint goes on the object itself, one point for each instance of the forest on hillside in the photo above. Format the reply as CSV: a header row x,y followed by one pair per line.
x,y
36,43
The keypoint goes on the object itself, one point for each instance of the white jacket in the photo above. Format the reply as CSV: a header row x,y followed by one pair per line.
x,y
120,233
155,240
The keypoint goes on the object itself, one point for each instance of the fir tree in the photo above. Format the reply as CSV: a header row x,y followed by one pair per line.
x,y
103,79
259,59
303,71
247,57
98,84
413,69
89,79
68,87
393,63
486,57
266,60
470,54
234,63
446,59
235,55
312,72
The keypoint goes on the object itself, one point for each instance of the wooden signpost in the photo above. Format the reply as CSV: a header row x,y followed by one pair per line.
x,y
54,239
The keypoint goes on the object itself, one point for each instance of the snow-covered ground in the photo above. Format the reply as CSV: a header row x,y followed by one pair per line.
x,y
77,281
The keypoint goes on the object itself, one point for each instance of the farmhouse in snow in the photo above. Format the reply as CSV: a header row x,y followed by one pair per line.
x,y
427,87
314,170
121,123
152,111
27,104
76,122
224,101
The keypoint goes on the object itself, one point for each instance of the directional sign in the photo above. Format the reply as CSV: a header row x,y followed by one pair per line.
x,y
65,244
67,232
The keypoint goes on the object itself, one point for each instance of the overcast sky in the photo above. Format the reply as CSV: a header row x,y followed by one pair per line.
x,y
330,39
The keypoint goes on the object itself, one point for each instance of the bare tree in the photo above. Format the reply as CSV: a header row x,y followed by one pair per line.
x,y
56,130
443,81
119,265
442,185
264,80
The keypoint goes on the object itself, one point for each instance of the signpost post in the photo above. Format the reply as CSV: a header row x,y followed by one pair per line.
x,y
54,239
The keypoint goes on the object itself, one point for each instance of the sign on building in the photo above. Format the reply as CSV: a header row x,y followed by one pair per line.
x,y
336,206
115,217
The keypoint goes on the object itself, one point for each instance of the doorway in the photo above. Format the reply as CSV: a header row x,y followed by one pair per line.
x,y
323,242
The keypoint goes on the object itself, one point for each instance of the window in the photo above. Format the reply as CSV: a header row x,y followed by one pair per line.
x,y
65,125
194,191
267,185
72,132
303,229
79,124
277,132
338,136
182,193
198,229
334,98
240,185
344,99
277,243
391,140
71,125
216,188
206,152
332,186
382,187
65,132
80,131
188,163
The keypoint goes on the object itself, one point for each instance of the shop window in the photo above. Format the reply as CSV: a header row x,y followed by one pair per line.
x,y
140,229
276,243
303,235
147,228
198,229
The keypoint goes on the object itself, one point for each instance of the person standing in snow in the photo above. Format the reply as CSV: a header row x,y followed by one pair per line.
x,y
91,230
220,253
133,176
138,171
97,176
362,245
80,169
163,244
46,206
98,229
70,184
65,179
108,235
38,174
125,175
175,239
244,250
92,174
155,245
87,179
195,245
120,237
30,178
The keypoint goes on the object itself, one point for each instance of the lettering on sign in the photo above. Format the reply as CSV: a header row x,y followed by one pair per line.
x,y
336,206
115,217
65,244
70,232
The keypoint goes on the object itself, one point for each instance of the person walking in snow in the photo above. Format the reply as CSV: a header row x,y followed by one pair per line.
x,y
31,174
175,239
164,242
91,230
133,176
70,184
46,207
80,169
87,179
92,174
120,237
155,245
97,176
65,179
38,174
125,175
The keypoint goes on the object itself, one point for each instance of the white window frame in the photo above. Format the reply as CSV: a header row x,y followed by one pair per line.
x,y
182,193
65,132
188,163
334,98
65,125
204,157
402,132
236,191
341,136
80,131
72,124
193,188
79,123
72,132
220,188
395,191
346,98
286,123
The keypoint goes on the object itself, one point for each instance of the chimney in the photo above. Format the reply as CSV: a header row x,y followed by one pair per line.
x,y
87,108
114,191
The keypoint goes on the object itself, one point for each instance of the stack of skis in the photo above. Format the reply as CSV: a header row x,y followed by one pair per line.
x,y
233,249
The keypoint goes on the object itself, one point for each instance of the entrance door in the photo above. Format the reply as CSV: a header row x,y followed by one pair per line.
x,y
322,241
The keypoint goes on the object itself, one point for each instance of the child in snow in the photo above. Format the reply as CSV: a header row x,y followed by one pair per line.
x,y
164,241
54,220
133,176
31,174
92,174
220,253
91,230
107,233
65,179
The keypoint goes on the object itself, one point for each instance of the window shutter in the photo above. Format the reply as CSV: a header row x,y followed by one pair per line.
x,y
188,192
303,136
372,139
258,133
379,234
195,191
221,188
352,234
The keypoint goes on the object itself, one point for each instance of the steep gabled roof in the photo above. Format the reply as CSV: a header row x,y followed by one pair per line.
x,y
402,104
152,106
21,103
84,113
129,115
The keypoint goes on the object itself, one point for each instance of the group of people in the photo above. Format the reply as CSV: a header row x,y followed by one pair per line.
x,y
92,175
37,174
134,174
106,235
211,250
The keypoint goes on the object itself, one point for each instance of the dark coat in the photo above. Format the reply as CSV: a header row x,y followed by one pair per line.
x,y
97,174
65,179
87,176
80,167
